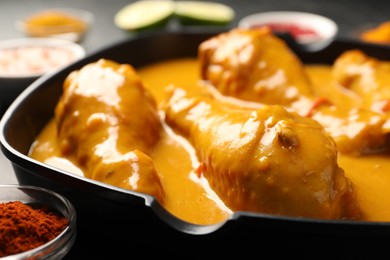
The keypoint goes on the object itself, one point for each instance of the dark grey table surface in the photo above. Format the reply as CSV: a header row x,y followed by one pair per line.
x,y
350,15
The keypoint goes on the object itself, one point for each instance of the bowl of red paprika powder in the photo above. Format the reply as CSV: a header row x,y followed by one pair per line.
x,y
35,223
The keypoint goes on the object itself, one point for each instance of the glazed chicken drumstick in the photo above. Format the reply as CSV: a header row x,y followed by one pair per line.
x,y
255,65
249,64
107,122
264,160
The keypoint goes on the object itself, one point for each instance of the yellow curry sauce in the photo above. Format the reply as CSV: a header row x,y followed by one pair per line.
x,y
189,197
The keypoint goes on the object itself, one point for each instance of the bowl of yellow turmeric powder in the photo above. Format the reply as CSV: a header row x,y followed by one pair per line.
x,y
35,223
66,23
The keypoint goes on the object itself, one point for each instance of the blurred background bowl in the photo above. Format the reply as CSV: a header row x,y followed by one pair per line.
x,y
309,29
35,196
65,23
23,60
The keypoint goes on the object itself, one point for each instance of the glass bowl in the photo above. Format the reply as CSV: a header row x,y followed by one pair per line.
x,y
65,23
58,247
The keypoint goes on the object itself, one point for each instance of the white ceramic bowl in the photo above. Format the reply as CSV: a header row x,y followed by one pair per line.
x,y
23,60
305,28
58,247
50,23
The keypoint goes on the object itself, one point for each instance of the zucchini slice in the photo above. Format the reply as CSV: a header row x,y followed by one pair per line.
x,y
144,14
203,13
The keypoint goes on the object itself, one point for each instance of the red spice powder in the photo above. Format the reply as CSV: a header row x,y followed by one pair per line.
x,y
23,227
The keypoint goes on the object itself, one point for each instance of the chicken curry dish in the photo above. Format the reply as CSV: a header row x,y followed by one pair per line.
x,y
244,126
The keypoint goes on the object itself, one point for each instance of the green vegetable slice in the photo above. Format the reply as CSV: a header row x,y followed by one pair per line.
x,y
208,13
144,14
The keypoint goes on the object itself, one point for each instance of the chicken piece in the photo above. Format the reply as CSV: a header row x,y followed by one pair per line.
x,y
379,34
255,65
108,123
264,160
366,76
356,131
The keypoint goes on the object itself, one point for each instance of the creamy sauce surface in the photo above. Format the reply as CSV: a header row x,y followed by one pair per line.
x,y
189,197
